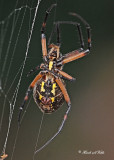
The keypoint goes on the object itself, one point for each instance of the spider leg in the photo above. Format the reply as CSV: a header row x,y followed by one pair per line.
x,y
57,26
58,131
30,88
23,104
76,54
61,74
58,34
87,27
65,75
55,29
43,36
67,99
33,70
41,66
81,51
64,91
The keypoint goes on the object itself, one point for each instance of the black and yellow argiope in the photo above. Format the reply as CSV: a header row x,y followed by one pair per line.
x,y
48,87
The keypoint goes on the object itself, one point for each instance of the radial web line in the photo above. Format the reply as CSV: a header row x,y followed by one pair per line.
x,y
4,28
14,98
2,40
15,143
4,103
3,108
6,98
14,79
7,52
14,47
38,135
19,128
28,44
11,109
14,11
3,34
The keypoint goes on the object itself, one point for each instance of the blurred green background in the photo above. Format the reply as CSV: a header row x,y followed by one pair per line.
x,y
90,124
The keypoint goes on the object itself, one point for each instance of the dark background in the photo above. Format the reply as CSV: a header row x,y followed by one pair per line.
x,y
90,123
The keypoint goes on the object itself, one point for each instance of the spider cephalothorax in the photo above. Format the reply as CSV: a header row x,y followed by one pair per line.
x,y
53,52
49,90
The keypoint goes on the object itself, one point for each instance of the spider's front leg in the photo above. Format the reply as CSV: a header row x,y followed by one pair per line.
x,y
30,88
33,70
43,36
74,55
41,66
81,52
64,75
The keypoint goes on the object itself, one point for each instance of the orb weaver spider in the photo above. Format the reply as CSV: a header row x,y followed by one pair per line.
x,y
48,87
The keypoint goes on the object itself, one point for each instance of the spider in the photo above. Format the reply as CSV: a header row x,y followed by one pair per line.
x,y
49,91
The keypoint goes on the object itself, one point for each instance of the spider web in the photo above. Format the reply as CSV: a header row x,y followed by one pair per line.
x,y
16,53
16,31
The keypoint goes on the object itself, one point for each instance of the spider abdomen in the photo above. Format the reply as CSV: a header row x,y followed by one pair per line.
x,y
48,95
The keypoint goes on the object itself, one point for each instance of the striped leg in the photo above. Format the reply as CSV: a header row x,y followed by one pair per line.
x,y
43,36
27,94
67,99
65,75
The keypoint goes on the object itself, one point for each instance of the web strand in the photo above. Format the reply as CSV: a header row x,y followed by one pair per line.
x,y
14,47
38,136
12,103
7,52
13,100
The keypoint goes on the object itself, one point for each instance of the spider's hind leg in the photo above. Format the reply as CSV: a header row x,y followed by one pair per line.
x,y
30,88
67,99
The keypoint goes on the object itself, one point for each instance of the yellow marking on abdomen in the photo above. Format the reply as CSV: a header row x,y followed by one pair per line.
x,y
40,96
50,65
42,87
53,88
52,99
